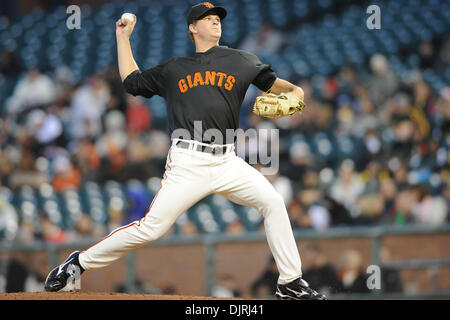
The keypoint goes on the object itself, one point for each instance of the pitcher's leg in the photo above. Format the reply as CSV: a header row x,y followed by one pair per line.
x,y
243,184
180,189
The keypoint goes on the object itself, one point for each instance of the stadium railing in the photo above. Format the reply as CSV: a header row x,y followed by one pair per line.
x,y
375,234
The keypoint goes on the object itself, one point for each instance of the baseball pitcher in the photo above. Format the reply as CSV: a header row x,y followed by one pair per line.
x,y
208,87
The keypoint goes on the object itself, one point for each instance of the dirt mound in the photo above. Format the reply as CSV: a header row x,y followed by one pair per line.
x,y
95,296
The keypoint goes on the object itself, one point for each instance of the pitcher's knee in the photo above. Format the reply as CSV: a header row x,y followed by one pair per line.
x,y
152,230
273,203
151,236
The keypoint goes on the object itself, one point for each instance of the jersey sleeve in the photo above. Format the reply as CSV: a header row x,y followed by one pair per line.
x,y
265,78
146,83
264,75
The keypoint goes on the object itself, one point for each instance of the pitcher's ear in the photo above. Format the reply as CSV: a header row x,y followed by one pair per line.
x,y
193,28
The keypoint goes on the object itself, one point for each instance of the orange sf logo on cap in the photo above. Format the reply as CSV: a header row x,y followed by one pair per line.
x,y
208,5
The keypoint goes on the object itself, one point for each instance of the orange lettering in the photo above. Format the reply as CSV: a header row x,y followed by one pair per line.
x,y
198,79
230,82
210,77
182,85
221,76
189,81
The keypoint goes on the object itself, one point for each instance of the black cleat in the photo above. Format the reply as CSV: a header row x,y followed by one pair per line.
x,y
62,277
298,290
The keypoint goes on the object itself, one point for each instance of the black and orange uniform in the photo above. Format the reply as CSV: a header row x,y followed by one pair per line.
x,y
208,87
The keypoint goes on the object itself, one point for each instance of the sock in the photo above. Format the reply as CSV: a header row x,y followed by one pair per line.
x,y
77,261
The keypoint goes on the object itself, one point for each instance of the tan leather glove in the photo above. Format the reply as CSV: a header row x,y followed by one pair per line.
x,y
270,105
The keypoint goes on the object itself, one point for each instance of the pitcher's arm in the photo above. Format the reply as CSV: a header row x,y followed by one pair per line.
x,y
126,61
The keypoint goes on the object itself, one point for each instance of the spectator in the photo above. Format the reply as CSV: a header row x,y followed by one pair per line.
x,y
51,233
265,41
87,159
10,65
138,202
443,60
226,287
26,173
353,278
300,156
6,138
114,162
320,273
26,233
404,128
64,85
319,216
339,215
427,55
66,176
139,117
6,168
112,78
429,210
371,177
299,216
400,175
16,274
404,204
446,193
9,220
34,89
348,79
347,187
158,144
443,111
46,128
116,214
366,118
370,209
112,147
138,156
345,116
282,185
83,231
186,227
422,95
391,281
388,190
266,283
88,104
235,227
383,82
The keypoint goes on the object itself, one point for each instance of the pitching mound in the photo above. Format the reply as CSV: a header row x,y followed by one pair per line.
x,y
96,296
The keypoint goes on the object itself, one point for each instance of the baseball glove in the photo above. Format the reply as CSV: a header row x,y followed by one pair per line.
x,y
270,105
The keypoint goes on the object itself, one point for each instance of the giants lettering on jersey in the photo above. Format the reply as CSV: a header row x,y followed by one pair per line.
x,y
208,78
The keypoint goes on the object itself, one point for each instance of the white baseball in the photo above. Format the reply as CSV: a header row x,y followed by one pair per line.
x,y
126,18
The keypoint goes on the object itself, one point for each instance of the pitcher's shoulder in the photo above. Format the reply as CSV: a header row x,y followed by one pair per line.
x,y
239,53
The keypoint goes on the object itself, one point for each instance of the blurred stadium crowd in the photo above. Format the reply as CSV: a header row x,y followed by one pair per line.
x,y
84,157
80,157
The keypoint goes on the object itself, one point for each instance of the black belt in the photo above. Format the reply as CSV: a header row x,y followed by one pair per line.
x,y
206,149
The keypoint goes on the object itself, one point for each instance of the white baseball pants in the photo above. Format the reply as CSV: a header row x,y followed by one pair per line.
x,y
190,176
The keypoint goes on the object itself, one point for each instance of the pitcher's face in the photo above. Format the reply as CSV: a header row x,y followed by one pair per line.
x,y
209,27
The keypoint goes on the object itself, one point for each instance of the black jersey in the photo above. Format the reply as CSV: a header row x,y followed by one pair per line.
x,y
208,87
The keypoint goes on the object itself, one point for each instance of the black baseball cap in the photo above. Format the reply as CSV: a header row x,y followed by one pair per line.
x,y
202,10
